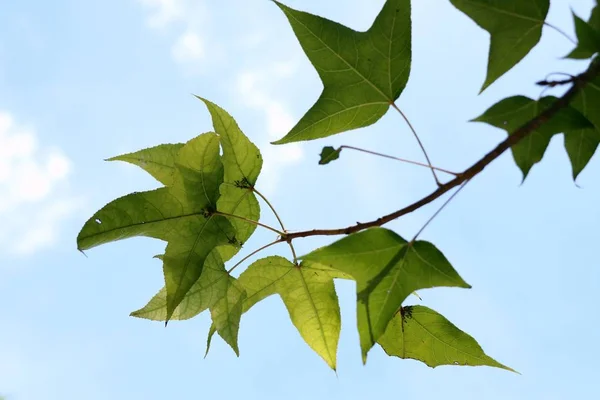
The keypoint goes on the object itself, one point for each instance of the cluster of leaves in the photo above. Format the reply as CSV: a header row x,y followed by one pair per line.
x,y
208,205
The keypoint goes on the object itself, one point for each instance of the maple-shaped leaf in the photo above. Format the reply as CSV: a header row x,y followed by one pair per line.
x,y
588,36
511,113
180,214
422,334
362,72
515,27
158,161
387,270
582,144
242,163
308,294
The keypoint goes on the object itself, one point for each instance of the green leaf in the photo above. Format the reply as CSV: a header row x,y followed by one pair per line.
x,y
513,112
582,144
308,294
227,312
158,161
329,154
211,333
515,27
424,335
387,270
362,72
242,162
212,286
180,214
588,36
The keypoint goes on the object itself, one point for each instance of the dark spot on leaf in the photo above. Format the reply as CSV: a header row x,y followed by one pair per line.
x,y
406,313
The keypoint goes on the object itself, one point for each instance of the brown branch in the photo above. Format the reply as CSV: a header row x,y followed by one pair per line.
x,y
579,82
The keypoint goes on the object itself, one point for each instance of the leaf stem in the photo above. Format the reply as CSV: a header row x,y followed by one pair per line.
x,y
557,29
430,220
398,159
515,137
418,141
250,221
259,194
252,254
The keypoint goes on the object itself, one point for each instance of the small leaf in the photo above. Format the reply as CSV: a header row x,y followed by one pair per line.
x,y
513,112
329,154
515,27
158,161
424,335
588,36
308,294
387,270
362,72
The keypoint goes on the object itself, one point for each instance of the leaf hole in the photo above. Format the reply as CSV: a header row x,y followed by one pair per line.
x,y
98,221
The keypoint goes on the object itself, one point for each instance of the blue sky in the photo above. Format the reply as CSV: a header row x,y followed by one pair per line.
x,y
84,81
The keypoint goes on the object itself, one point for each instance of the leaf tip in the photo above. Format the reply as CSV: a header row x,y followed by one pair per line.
x,y
329,154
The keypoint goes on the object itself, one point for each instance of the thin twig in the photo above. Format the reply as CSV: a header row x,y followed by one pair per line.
x,y
430,220
579,82
557,29
251,254
278,219
418,141
398,159
250,221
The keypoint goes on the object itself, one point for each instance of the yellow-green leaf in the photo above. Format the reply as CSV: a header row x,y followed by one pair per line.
x,y
422,334
387,270
158,161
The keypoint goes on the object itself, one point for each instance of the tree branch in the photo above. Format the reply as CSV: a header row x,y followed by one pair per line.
x,y
579,82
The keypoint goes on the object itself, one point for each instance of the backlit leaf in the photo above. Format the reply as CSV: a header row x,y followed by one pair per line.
x,y
588,36
515,27
179,214
242,162
513,112
227,312
424,335
362,72
308,294
387,270
158,161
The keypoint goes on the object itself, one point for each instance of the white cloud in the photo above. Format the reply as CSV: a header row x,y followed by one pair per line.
x,y
253,90
187,19
188,48
33,181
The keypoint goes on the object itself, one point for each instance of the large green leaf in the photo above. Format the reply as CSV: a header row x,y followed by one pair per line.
x,y
513,112
387,270
515,27
422,334
308,294
588,36
582,144
242,162
180,214
158,161
362,72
